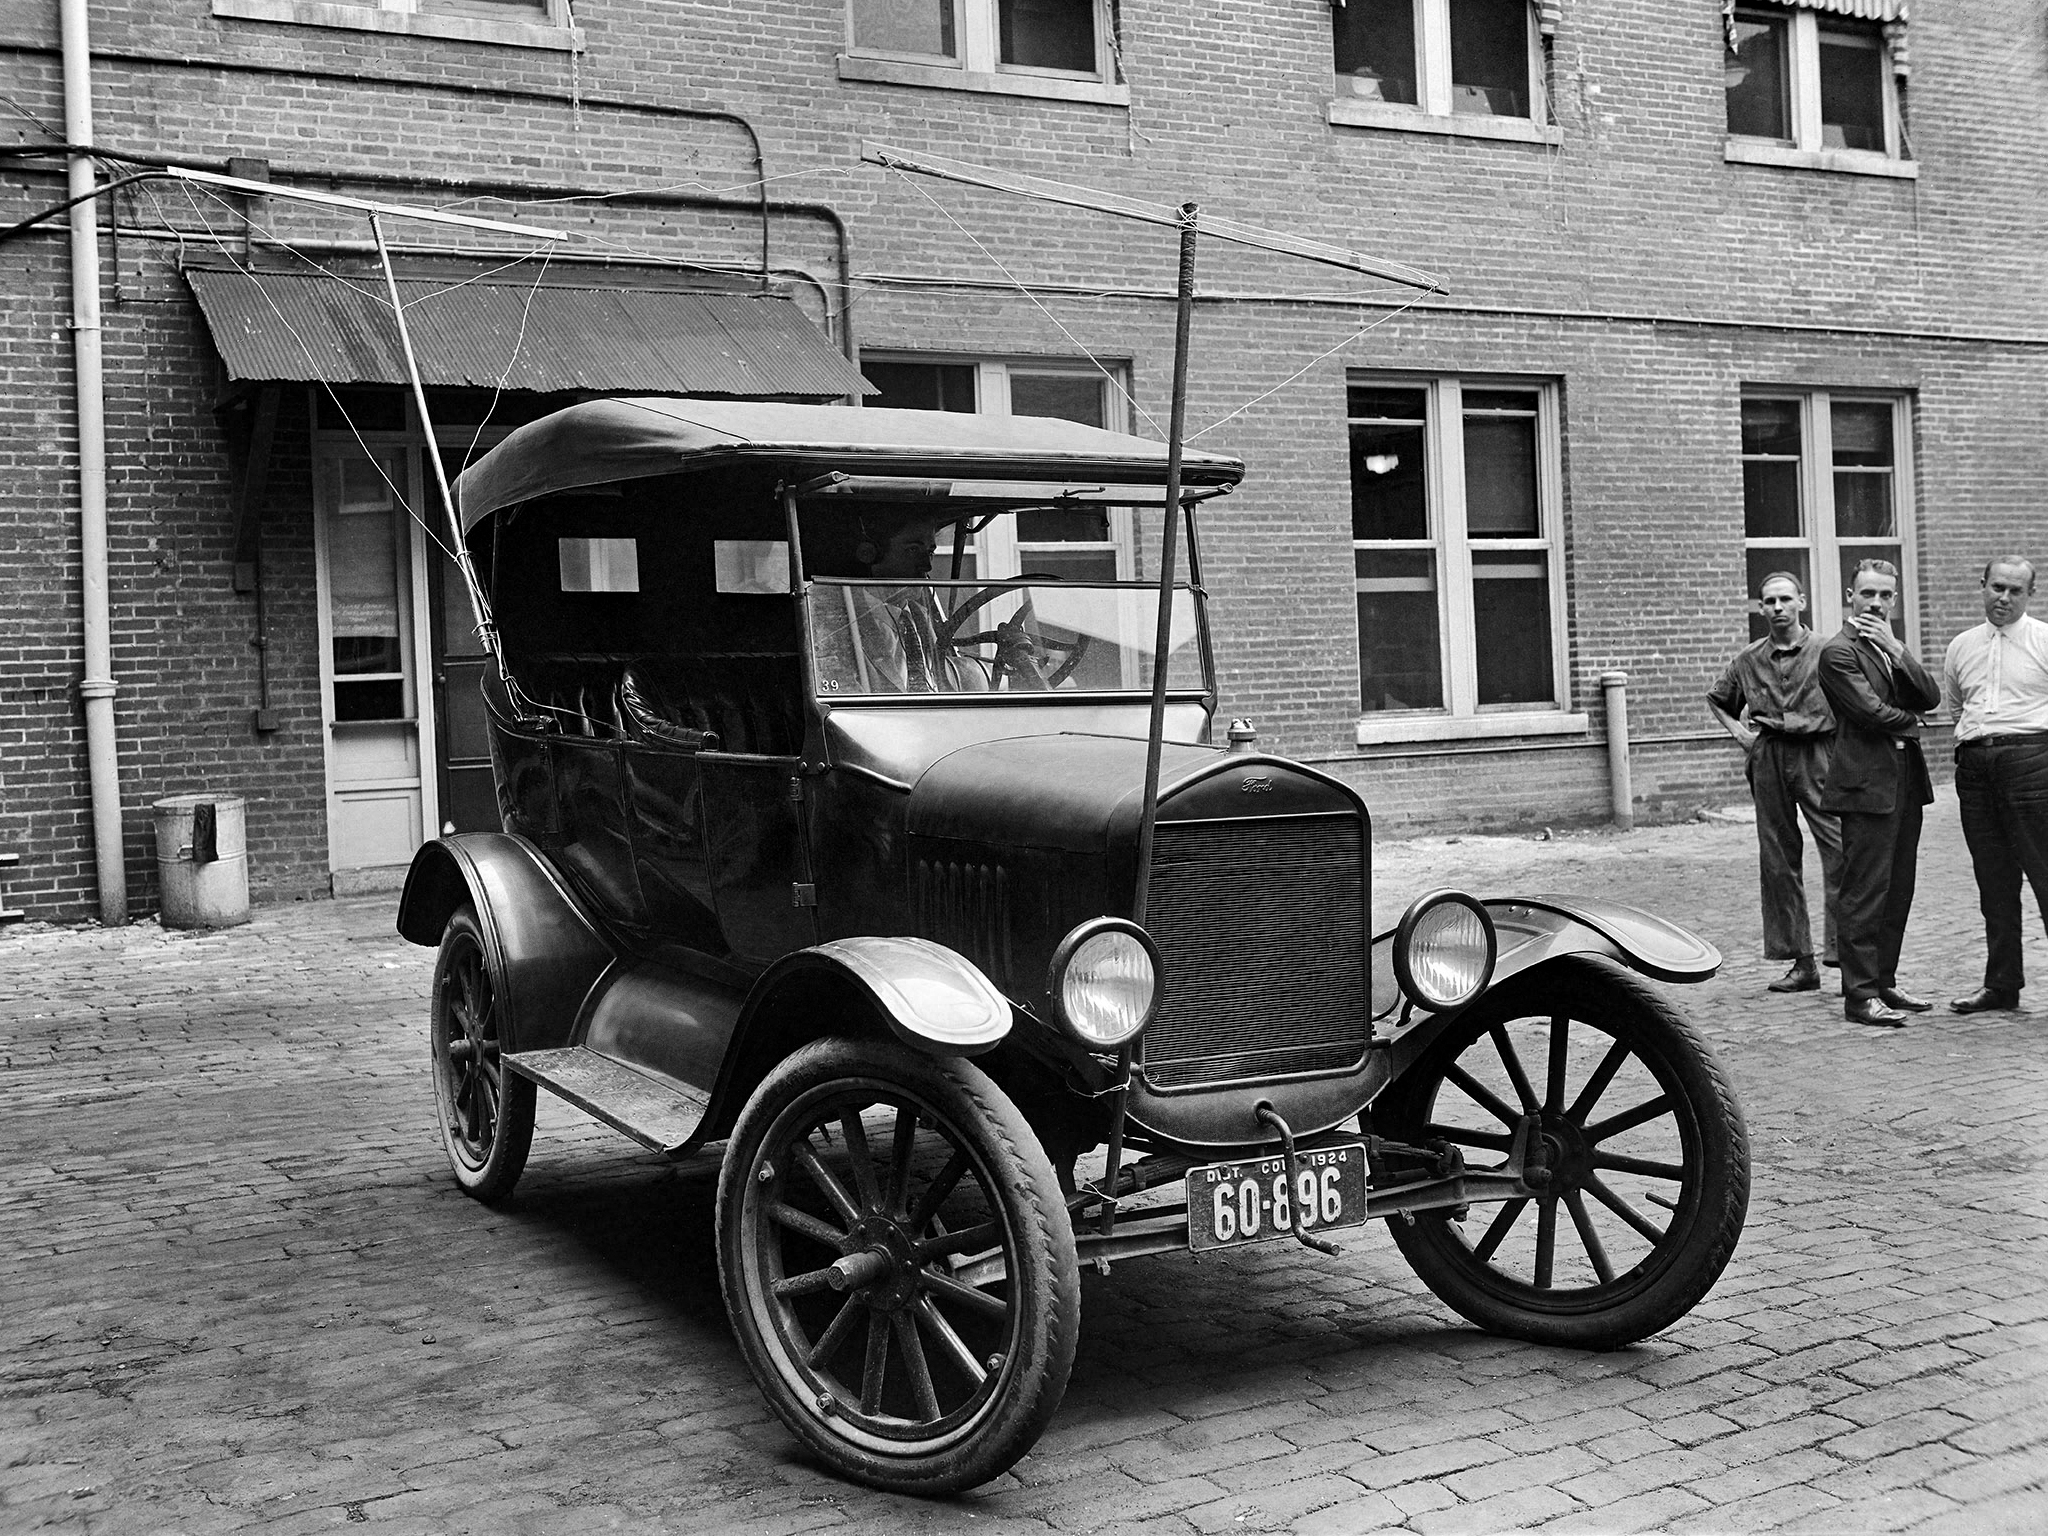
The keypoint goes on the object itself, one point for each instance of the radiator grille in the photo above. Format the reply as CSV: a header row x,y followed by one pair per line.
x,y
1261,927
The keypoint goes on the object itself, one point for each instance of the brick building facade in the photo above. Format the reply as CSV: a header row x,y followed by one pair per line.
x,y
1728,290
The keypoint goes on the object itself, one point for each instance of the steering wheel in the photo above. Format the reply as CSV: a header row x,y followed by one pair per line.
x,y
1067,654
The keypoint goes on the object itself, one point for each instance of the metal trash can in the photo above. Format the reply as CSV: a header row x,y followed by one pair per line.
x,y
202,861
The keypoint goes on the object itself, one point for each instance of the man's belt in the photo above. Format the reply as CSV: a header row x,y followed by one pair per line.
x,y
2009,739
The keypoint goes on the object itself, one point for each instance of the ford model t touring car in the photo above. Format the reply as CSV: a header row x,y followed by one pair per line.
x,y
820,739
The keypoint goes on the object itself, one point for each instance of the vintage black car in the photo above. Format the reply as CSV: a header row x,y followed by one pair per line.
x,y
820,745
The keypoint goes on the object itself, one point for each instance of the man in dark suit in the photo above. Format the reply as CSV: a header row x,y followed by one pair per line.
x,y
1877,784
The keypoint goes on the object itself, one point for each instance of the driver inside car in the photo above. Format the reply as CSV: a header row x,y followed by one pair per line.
x,y
905,639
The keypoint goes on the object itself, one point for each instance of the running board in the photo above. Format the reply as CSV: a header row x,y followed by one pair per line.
x,y
661,1115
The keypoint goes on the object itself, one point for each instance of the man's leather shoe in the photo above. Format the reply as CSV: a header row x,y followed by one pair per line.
x,y
1905,1002
1801,978
1871,1010
1985,1000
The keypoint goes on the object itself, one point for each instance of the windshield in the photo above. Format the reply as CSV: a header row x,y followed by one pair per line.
x,y
937,596
880,637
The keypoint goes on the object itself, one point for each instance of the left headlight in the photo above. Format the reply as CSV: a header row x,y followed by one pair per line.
x,y
1104,982
1444,950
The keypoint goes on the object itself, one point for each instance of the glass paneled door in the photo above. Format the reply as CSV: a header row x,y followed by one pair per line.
x,y
378,804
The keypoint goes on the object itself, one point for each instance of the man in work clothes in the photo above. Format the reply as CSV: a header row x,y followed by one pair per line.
x,y
1769,699
1877,784
1995,678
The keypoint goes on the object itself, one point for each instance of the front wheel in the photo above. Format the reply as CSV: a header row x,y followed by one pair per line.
x,y
486,1112
898,1265
1638,1159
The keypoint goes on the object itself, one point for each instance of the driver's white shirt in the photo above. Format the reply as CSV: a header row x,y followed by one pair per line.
x,y
882,615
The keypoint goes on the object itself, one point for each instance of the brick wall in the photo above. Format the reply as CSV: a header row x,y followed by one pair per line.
x,y
1629,263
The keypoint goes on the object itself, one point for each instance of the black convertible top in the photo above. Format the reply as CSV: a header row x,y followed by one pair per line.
x,y
603,441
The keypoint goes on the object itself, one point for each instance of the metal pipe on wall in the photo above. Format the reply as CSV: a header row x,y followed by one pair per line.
x,y
96,688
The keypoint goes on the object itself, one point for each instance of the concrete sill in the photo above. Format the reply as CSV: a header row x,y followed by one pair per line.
x,y
946,77
1346,113
1844,162
1376,730
364,18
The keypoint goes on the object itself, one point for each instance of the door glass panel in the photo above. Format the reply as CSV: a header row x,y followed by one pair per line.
x,y
1862,432
1399,642
1375,42
1770,469
365,551
1511,625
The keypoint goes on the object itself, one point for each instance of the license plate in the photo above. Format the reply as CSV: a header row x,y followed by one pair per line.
x,y
1248,1201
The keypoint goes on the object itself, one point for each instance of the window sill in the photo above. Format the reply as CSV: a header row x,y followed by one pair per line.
x,y
1375,730
363,18
1848,162
944,77
1380,114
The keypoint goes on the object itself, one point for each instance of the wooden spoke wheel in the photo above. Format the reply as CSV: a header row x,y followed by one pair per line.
x,y
486,1112
898,1265
1638,1159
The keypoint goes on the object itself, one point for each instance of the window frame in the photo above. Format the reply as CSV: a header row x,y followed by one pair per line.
x,y
979,67
557,33
1434,112
1462,715
1820,539
1807,149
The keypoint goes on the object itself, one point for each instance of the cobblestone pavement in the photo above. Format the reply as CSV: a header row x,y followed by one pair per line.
x,y
241,1292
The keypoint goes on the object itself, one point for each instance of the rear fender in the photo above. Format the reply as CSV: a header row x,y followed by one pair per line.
x,y
918,992
545,952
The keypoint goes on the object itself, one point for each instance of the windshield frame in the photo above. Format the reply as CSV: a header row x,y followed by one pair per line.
x,y
1054,496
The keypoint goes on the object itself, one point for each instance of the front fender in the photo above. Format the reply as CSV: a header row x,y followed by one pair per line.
x,y
932,999
1534,929
545,952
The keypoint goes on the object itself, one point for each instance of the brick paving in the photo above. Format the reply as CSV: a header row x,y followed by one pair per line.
x,y
242,1293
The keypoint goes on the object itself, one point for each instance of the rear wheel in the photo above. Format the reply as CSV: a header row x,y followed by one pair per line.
x,y
486,1112
898,1265
1639,1158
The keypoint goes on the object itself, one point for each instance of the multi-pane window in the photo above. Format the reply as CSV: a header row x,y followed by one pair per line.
x,y
1454,493
1811,83
1057,38
1823,487
1091,546
1476,58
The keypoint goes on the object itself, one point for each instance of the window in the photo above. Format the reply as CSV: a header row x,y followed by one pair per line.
x,y
513,23
1813,90
1055,48
1093,547
1455,491
1441,66
1824,484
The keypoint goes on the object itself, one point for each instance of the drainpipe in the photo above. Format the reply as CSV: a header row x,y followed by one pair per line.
x,y
96,688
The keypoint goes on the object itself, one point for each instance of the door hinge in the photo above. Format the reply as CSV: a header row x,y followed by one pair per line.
x,y
803,893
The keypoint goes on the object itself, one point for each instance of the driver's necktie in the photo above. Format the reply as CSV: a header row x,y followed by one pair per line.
x,y
917,671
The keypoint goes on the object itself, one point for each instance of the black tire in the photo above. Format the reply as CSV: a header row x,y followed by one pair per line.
x,y
969,1250
1648,1197
486,1112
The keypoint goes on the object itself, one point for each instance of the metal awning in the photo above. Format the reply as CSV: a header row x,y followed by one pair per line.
x,y
571,330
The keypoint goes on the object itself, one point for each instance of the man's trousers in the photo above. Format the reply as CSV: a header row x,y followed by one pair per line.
x,y
1880,861
2003,789
1787,775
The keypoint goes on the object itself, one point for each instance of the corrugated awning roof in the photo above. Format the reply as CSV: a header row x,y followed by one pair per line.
x,y
579,332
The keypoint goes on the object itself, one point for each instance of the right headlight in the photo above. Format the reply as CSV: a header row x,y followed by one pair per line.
x,y
1104,982
1444,950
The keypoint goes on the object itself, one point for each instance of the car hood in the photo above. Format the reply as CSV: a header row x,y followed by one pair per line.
x,y
1083,793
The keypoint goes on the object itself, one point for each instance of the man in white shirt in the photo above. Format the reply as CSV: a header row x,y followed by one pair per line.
x,y
1995,678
